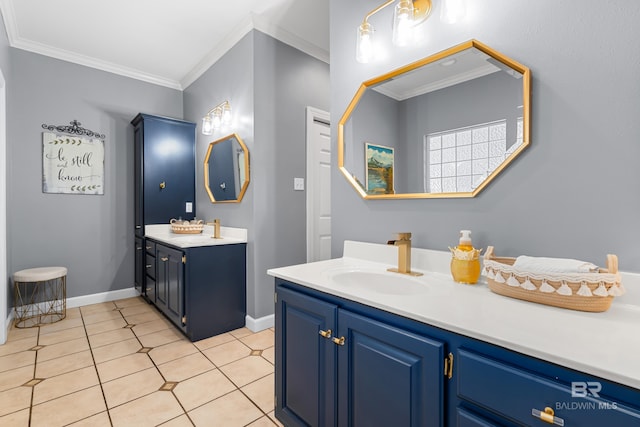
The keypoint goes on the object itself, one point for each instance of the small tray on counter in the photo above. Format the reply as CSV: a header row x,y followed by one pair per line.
x,y
186,227
589,291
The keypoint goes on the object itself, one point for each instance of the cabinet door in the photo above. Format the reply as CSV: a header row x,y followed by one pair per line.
x,y
170,283
388,376
169,170
305,360
138,181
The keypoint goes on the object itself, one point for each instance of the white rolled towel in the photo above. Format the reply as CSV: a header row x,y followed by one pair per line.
x,y
553,265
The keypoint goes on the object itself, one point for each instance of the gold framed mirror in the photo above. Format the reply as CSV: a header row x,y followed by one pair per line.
x,y
444,126
226,170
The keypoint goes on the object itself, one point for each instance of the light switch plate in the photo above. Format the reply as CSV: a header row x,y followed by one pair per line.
x,y
298,184
188,208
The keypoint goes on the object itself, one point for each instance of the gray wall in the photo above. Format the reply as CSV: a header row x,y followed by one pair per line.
x,y
287,81
374,120
90,235
574,192
268,84
230,78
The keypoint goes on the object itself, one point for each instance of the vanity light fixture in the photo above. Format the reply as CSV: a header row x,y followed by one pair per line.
x,y
407,15
216,117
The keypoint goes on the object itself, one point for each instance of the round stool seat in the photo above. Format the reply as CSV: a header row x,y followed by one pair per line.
x,y
39,274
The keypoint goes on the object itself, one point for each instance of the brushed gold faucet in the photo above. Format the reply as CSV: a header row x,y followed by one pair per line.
x,y
216,228
403,242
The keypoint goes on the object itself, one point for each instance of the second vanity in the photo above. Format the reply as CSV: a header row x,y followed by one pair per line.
x,y
198,282
359,346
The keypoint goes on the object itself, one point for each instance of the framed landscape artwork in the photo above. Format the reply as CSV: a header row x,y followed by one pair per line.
x,y
379,169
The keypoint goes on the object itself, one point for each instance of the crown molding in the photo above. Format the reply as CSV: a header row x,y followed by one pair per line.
x,y
250,23
91,62
291,39
218,52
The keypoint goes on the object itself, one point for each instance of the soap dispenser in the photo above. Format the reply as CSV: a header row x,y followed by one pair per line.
x,y
465,260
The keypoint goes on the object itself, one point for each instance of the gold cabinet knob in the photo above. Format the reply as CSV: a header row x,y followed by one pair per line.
x,y
165,259
325,334
163,185
338,341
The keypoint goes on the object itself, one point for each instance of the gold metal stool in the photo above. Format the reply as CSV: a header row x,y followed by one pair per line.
x,y
40,296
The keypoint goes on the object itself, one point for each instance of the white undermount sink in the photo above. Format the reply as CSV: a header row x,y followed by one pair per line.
x,y
382,282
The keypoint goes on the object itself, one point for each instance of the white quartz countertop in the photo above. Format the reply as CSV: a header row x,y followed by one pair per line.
x,y
603,344
163,233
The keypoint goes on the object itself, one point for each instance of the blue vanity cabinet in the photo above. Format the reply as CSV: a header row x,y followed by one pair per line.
x,y
389,372
170,281
387,376
510,387
139,264
202,289
336,367
305,360
150,270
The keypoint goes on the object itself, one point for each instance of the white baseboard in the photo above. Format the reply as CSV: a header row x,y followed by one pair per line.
x,y
101,297
257,325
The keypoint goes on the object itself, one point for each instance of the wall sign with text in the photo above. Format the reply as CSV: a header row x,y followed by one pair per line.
x,y
72,164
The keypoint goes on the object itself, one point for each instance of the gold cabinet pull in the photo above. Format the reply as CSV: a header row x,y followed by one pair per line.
x,y
165,259
148,247
149,265
325,334
448,366
548,416
163,185
338,341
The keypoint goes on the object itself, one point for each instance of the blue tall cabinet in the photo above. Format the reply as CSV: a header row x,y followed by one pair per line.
x,y
164,183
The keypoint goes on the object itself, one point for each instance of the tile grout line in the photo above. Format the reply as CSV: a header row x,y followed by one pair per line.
x,y
35,366
163,377
230,380
95,366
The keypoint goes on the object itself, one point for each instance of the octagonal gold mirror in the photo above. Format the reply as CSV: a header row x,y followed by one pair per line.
x,y
226,170
443,126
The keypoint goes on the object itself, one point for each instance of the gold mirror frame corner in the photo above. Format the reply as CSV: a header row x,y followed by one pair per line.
x,y
245,184
526,117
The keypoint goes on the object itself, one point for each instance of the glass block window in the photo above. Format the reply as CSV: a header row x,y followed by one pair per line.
x,y
459,160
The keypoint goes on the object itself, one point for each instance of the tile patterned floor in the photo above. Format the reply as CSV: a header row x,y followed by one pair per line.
x,y
122,363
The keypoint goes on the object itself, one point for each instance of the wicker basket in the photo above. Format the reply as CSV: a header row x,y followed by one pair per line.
x,y
577,291
186,227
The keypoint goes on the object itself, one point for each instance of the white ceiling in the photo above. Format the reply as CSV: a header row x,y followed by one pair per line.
x,y
165,42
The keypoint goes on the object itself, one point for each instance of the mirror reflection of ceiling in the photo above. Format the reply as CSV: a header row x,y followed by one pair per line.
x,y
444,126
226,170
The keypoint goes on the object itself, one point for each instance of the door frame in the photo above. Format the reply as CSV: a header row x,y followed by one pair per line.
x,y
4,320
312,114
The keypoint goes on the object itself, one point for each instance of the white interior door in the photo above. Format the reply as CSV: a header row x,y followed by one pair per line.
x,y
318,185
